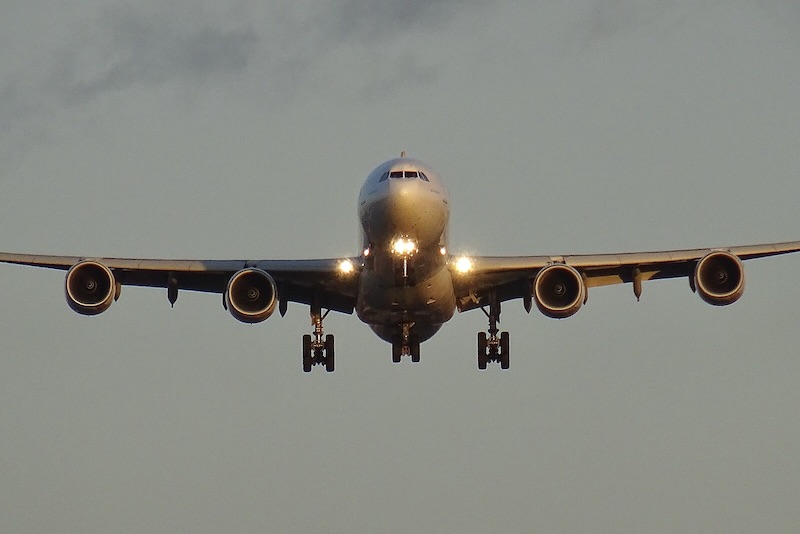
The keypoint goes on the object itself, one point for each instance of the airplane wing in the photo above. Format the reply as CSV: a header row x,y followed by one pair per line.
x,y
312,281
322,283
717,272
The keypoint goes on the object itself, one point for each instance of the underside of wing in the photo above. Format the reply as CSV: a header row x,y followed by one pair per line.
x,y
320,282
558,284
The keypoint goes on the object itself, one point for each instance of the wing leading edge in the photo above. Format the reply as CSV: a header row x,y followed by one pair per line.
x,y
510,277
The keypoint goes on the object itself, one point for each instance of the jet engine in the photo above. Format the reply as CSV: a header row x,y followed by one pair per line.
x,y
90,287
559,291
719,278
251,296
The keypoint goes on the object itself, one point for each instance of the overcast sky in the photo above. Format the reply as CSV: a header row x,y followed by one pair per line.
x,y
208,130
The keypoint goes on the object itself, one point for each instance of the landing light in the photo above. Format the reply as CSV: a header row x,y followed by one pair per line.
x,y
346,267
463,265
404,246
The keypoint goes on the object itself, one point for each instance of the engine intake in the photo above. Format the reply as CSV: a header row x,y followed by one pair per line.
x,y
559,291
719,278
90,287
251,296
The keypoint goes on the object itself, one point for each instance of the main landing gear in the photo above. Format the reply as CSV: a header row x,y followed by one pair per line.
x,y
318,351
493,348
405,345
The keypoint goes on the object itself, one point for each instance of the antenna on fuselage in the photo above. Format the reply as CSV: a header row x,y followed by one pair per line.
x,y
402,153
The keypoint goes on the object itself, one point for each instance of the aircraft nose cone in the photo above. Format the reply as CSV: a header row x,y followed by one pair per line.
x,y
405,196
407,209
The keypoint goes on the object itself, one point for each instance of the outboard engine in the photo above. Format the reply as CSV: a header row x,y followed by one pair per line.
x,y
90,287
719,278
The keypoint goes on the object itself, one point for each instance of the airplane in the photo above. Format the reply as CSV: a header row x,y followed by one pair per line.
x,y
405,283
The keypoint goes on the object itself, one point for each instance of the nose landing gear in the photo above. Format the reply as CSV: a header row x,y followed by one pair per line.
x,y
405,345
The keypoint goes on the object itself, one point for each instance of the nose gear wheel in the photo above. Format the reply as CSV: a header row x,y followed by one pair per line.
x,y
405,344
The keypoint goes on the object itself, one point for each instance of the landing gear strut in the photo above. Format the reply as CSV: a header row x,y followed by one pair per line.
x,y
405,345
404,275
491,347
319,350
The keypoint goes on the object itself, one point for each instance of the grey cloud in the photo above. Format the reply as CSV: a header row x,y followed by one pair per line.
x,y
406,67
126,46
376,20
115,50
130,48
374,31
609,17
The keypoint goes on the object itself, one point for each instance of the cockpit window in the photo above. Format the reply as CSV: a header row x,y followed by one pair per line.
x,y
383,177
406,174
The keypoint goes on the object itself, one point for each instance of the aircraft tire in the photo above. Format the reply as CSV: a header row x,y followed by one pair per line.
x,y
414,352
307,362
397,352
505,353
482,350
329,353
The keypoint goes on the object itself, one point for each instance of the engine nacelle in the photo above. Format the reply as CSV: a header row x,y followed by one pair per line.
x,y
90,287
251,295
559,291
719,278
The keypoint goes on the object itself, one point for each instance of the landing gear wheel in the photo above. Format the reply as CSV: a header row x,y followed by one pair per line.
x,y
505,354
307,360
329,361
414,352
397,352
407,348
482,345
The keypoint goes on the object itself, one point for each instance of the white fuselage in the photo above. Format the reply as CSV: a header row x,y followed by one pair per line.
x,y
404,208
